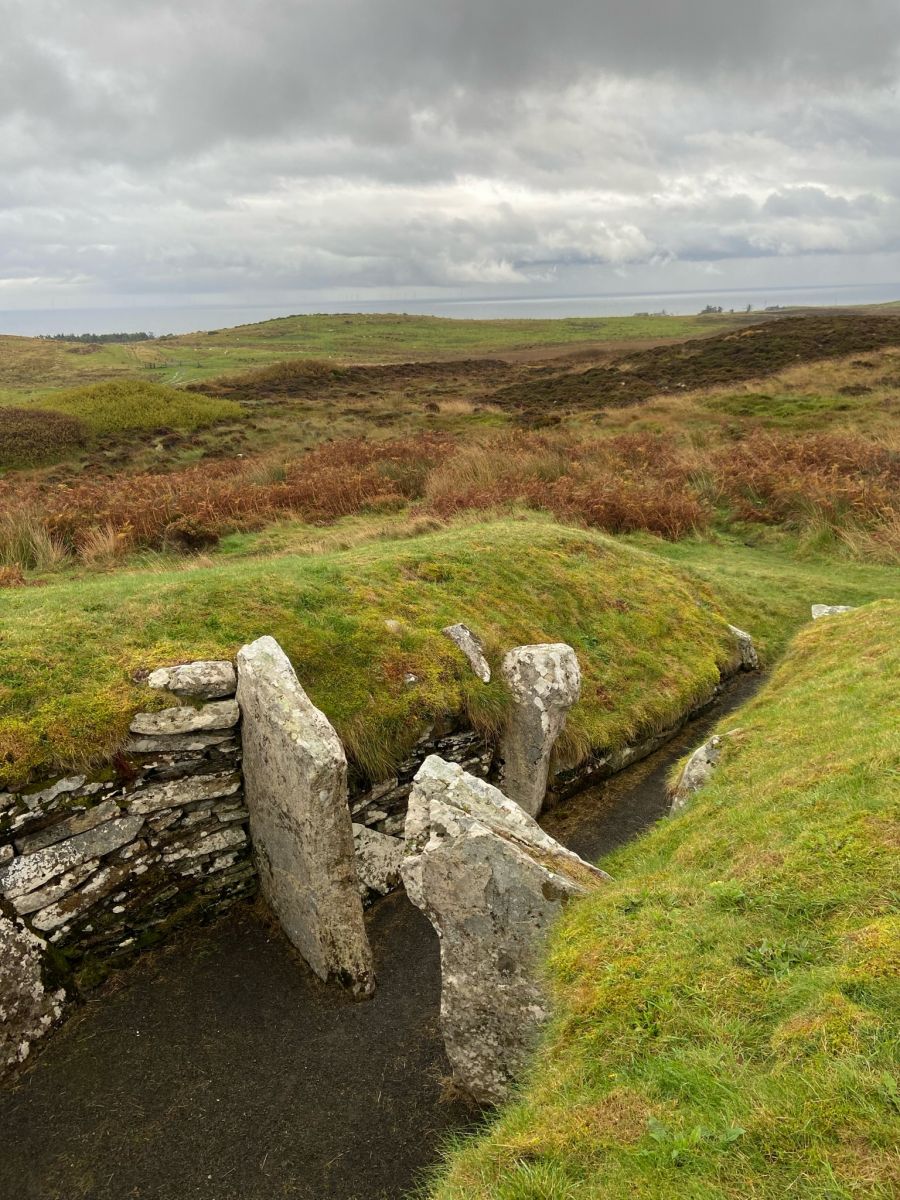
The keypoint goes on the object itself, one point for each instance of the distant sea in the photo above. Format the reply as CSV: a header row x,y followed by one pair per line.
x,y
161,319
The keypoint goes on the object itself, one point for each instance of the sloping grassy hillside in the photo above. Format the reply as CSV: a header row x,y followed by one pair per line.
x,y
728,1010
649,640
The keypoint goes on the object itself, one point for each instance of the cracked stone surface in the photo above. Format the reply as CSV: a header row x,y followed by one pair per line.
x,y
545,681
492,883
295,780
206,680
27,1008
219,714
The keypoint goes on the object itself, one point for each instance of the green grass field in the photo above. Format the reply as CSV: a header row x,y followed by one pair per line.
x,y
727,1011
30,367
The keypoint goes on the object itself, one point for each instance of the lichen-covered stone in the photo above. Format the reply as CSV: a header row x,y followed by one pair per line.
x,y
31,871
27,1008
749,657
544,681
218,714
295,780
205,680
68,827
472,648
179,792
378,859
491,882
830,610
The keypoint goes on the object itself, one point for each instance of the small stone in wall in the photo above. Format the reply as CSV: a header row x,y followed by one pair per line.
x,y
205,680
80,823
179,792
378,859
31,871
219,714
698,770
471,646
830,610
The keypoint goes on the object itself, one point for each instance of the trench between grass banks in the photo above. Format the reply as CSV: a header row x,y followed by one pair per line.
x,y
221,1067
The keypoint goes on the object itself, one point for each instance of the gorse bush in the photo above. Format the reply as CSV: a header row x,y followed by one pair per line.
x,y
31,436
133,404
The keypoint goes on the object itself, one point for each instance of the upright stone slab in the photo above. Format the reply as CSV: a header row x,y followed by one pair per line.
x,y
295,779
491,882
545,681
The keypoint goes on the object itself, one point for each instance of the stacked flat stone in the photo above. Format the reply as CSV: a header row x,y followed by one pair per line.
x,y
102,866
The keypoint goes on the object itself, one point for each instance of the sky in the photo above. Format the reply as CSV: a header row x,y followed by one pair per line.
x,y
260,151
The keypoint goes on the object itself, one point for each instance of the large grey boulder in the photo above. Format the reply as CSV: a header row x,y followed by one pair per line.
x,y
830,610
491,882
205,680
544,681
295,779
27,1008
472,648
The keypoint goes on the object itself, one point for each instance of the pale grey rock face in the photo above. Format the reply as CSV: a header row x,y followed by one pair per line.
x,y
830,610
220,714
295,779
378,859
27,1009
472,648
491,882
188,790
545,681
62,787
68,827
31,871
205,680
749,657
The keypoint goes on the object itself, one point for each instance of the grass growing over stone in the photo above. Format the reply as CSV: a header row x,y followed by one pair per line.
x,y
728,1010
650,640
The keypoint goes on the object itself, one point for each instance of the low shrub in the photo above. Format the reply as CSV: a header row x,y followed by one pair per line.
x,y
133,404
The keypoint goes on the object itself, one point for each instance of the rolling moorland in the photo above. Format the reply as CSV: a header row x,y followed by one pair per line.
x,y
626,485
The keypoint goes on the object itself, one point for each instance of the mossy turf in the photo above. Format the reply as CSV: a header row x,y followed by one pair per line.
x,y
728,1009
126,405
650,641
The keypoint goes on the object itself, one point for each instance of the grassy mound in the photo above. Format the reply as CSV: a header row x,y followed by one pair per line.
x,y
649,639
131,404
30,437
728,1010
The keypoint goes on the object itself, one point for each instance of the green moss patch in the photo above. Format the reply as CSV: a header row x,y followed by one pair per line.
x,y
728,1009
125,405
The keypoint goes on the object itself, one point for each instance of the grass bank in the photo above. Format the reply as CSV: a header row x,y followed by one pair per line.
x,y
728,1010
650,638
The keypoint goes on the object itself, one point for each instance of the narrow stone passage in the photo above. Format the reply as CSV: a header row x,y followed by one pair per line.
x,y
221,1068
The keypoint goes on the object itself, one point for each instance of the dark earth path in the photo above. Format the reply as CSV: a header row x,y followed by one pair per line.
x,y
221,1068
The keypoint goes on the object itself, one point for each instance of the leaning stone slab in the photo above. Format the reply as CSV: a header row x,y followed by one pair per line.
x,y
205,680
545,681
221,714
830,610
179,792
491,882
27,1008
749,657
295,779
472,648
31,871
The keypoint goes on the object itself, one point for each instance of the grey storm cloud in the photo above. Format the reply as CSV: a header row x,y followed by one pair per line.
x,y
234,146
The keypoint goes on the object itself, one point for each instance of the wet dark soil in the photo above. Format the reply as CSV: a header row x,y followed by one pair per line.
x,y
221,1068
